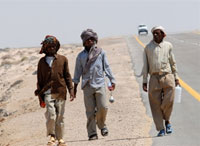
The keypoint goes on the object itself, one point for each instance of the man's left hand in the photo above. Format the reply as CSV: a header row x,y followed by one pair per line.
x,y
112,88
72,95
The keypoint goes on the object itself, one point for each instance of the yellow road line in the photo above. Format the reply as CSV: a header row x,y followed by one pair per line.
x,y
139,41
194,93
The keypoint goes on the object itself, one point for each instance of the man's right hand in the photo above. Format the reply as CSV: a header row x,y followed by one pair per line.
x,y
145,87
41,102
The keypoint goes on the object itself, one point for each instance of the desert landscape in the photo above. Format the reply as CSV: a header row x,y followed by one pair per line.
x,y
22,121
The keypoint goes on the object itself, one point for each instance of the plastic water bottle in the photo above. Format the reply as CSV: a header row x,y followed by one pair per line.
x,y
111,99
178,91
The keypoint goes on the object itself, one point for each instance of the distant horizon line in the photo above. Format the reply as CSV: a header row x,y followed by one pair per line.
x,y
78,43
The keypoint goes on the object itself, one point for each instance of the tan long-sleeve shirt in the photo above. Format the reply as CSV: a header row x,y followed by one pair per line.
x,y
159,58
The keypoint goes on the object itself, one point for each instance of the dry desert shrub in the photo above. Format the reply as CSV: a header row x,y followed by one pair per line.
x,y
16,83
6,63
34,73
3,113
32,58
7,56
23,59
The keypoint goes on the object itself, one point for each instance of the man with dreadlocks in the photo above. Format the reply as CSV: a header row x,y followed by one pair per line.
x,y
91,63
53,77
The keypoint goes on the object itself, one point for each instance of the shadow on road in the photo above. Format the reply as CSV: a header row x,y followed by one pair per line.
x,y
85,140
136,138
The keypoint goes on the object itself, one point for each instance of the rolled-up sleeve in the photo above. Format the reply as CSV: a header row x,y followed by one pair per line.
x,y
107,69
78,70
145,69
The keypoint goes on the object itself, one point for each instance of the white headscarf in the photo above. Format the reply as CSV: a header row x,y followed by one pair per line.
x,y
158,27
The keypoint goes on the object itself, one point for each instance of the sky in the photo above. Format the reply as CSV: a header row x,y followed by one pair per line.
x,y
25,23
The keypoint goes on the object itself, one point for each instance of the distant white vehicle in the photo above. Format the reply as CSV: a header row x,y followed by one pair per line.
x,y
142,28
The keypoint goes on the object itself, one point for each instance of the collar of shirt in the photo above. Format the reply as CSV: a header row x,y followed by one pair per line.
x,y
159,45
56,56
86,51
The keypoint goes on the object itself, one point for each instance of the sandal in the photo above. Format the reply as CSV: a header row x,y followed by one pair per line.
x,y
104,131
168,128
93,137
52,141
61,143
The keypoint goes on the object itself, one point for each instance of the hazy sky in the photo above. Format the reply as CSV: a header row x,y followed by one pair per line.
x,y
24,23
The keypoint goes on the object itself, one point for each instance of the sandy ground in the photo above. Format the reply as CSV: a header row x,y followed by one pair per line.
x,y
22,121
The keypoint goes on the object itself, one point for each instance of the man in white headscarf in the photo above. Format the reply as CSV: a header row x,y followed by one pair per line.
x,y
159,62
91,64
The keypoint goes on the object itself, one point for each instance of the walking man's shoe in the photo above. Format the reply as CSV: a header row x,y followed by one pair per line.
x,y
104,131
52,141
161,133
93,137
61,142
168,128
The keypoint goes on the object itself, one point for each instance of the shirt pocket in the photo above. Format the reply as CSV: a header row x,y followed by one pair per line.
x,y
164,61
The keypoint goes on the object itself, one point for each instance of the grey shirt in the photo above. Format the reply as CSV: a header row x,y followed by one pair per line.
x,y
95,75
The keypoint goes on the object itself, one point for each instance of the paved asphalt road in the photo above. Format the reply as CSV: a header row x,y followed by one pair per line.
x,y
185,118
